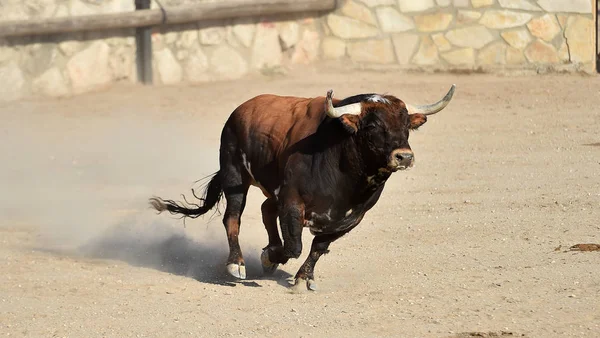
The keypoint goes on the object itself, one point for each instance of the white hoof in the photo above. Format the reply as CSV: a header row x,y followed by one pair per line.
x,y
310,284
236,270
268,267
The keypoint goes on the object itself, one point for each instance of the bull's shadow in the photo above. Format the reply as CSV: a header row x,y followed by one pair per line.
x,y
163,248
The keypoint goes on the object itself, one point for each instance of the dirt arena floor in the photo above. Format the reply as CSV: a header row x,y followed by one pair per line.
x,y
473,241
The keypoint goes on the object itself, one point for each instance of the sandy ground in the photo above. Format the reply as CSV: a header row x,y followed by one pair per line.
x,y
474,238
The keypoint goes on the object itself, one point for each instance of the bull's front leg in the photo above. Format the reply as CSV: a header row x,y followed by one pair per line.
x,y
319,247
291,219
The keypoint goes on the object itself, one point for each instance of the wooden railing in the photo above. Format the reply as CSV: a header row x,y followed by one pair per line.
x,y
167,15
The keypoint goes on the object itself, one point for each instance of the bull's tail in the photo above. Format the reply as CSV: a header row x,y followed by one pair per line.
x,y
211,197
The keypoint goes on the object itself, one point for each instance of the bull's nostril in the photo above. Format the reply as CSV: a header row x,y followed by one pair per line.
x,y
404,156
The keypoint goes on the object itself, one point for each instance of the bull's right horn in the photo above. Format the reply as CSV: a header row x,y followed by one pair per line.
x,y
352,109
431,109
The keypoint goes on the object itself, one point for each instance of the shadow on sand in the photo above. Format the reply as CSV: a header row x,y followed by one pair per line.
x,y
163,248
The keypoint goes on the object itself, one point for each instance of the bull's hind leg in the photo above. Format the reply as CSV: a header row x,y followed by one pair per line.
x,y
269,216
235,183
235,190
319,247
236,201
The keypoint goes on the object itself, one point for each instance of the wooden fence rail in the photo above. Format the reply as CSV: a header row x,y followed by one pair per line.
x,y
171,15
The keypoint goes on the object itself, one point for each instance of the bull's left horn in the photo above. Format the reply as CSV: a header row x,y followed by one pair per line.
x,y
353,109
431,109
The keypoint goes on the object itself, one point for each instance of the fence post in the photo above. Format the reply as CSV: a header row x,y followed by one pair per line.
x,y
143,43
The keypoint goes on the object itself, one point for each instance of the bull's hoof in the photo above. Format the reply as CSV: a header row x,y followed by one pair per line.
x,y
311,285
268,267
236,270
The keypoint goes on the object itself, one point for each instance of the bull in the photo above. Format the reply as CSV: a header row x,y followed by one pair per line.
x,y
321,163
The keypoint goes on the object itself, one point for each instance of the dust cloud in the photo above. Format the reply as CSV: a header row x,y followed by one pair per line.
x,y
82,184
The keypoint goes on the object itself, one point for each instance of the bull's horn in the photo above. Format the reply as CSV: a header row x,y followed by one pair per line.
x,y
353,109
431,109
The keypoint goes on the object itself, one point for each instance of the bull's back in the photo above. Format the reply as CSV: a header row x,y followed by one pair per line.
x,y
266,126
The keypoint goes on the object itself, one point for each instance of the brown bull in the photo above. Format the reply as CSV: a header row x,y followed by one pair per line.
x,y
322,163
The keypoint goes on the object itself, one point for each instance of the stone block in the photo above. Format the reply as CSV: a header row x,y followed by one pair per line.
x,y
158,40
169,70
405,45
227,63
460,57
415,5
461,3
89,68
545,27
482,3
120,61
307,49
13,12
390,20
441,42
562,20
39,58
541,52
41,8
501,19
348,28
7,53
61,12
494,54
359,12
266,52
433,22
196,67
567,6
79,7
51,83
70,47
182,54
134,74
465,17
12,82
244,32
378,51
289,33
563,53
120,41
514,56
427,53
443,3
171,37
333,48
375,3
519,4
580,38
212,35
474,37
518,38
188,39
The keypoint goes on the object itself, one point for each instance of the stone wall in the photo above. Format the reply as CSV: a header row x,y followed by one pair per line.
x,y
441,35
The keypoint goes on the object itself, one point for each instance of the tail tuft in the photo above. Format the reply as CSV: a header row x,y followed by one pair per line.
x,y
212,195
158,204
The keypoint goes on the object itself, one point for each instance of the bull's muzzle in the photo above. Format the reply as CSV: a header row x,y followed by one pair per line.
x,y
401,159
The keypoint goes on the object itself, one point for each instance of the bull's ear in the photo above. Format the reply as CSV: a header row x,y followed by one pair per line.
x,y
350,122
417,120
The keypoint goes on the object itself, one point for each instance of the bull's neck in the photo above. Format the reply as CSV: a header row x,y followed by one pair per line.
x,y
342,150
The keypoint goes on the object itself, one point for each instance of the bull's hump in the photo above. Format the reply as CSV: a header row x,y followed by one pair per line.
x,y
278,120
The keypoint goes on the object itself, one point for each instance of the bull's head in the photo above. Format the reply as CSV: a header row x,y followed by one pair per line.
x,y
381,125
